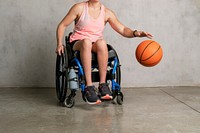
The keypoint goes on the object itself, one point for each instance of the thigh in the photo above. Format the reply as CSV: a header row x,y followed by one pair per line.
x,y
77,45
82,44
99,44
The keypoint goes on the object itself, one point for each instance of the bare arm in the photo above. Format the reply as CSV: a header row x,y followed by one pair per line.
x,y
122,29
72,15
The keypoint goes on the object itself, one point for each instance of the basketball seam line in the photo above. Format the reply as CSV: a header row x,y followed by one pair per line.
x,y
153,62
143,51
152,54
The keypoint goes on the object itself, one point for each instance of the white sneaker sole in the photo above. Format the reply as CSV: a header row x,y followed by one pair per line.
x,y
93,103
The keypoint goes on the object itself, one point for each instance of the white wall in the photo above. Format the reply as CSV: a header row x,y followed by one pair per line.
x,y
28,41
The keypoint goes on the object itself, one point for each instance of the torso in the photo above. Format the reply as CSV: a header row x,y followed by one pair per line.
x,y
94,15
89,22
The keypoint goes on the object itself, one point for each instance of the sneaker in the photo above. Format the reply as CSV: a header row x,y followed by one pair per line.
x,y
105,92
91,96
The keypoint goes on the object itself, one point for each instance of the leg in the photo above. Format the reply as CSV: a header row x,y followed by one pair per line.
x,y
100,47
85,48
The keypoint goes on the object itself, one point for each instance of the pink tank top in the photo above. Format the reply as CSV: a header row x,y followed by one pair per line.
x,y
88,27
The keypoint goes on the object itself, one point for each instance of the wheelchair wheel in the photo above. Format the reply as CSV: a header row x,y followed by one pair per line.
x,y
117,79
120,98
112,55
118,75
61,77
69,102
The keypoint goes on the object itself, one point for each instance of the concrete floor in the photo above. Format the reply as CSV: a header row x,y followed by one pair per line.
x,y
145,110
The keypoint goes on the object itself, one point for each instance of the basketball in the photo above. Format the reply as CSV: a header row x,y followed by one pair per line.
x,y
149,53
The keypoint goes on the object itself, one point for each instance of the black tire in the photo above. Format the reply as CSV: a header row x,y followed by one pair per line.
x,y
118,69
120,98
118,75
69,102
61,76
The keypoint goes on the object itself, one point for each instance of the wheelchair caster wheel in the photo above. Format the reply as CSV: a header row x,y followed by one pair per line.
x,y
120,98
69,102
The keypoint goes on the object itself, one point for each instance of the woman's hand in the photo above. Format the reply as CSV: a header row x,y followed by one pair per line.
x,y
143,34
60,49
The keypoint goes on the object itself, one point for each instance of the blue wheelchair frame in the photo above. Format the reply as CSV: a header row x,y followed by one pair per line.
x,y
115,85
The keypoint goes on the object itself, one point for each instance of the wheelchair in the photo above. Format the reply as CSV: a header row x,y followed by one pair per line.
x,y
71,60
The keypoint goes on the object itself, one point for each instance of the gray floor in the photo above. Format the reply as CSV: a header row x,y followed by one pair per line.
x,y
145,110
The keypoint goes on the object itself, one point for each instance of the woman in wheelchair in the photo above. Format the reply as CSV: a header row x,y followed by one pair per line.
x,y
90,18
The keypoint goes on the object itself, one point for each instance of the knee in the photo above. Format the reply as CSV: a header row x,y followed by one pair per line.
x,y
86,44
101,45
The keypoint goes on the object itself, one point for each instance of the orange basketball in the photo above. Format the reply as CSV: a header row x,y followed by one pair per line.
x,y
149,53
